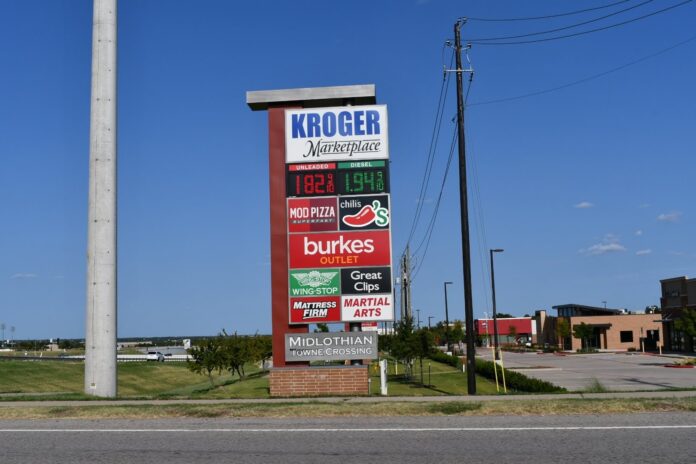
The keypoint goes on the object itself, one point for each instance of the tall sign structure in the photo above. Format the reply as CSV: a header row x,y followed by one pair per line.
x,y
330,233
100,326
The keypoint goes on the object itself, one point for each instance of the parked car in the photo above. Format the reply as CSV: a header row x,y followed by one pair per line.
x,y
155,356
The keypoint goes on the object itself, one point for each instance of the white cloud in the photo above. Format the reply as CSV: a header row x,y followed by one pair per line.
x,y
673,216
23,275
583,205
639,233
610,244
643,252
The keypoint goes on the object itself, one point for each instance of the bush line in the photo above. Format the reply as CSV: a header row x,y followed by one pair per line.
x,y
514,380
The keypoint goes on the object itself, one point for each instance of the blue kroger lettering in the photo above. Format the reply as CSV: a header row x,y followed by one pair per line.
x,y
347,123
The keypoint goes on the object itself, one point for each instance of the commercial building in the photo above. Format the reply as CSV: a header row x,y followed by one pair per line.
x,y
612,329
510,330
677,294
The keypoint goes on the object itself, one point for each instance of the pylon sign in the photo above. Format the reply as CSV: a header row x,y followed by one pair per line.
x,y
339,215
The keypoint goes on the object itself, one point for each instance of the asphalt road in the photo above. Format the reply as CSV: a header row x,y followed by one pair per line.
x,y
634,438
615,371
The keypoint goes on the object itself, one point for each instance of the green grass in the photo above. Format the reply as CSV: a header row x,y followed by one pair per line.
x,y
319,408
443,380
135,379
64,380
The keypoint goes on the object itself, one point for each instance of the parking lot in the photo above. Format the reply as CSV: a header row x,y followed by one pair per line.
x,y
614,371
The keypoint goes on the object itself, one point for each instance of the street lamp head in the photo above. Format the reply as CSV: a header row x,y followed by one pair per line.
x,y
448,283
497,250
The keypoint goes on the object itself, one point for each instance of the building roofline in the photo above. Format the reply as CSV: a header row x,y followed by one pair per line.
x,y
312,97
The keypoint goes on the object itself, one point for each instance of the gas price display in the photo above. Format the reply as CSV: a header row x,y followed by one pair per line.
x,y
308,180
362,177
347,178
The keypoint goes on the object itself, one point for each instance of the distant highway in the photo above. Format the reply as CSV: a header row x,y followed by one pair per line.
x,y
635,438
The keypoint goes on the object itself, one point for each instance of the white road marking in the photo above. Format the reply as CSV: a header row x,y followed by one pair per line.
x,y
342,430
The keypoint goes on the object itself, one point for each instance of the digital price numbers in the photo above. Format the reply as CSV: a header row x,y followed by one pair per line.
x,y
346,178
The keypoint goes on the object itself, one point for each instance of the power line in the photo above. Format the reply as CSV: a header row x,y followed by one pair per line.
x,y
585,79
558,29
532,18
431,154
610,26
431,224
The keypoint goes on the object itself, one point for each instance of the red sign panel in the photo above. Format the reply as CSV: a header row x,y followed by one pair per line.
x,y
307,310
312,214
341,249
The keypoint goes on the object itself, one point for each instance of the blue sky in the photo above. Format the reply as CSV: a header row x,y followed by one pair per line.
x,y
588,189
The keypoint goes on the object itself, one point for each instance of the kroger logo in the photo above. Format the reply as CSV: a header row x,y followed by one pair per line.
x,y
328,124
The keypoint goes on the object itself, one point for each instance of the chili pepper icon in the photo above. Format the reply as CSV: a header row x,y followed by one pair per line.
x,y
367,215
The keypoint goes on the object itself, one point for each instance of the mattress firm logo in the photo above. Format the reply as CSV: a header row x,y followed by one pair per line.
x,y
317,309
314,282
336,134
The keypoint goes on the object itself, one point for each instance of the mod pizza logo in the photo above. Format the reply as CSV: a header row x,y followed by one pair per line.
x,y
367,308
364,212
308,310
312,214
340,249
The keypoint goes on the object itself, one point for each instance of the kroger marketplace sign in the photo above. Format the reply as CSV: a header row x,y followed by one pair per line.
x,y
336,134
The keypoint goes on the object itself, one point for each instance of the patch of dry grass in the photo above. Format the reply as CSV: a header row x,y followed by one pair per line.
x,y
346,409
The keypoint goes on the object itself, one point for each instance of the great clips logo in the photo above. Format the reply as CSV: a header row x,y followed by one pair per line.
x,y
341,249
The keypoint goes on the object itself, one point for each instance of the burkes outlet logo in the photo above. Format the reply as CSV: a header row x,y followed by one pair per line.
x,y
340,249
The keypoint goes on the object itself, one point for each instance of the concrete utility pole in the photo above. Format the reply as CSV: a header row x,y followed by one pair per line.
x,y
100,326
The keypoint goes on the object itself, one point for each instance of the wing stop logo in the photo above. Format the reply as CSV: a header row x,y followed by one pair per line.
x,y
314,282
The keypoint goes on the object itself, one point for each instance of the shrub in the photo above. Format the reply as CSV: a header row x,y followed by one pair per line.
x,y
514,380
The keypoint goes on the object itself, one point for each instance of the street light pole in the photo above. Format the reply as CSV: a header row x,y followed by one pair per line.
x,y
418,318
429,318
495,314
447,340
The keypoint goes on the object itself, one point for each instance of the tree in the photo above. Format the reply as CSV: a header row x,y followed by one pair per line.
x,y
404,344
321,327
652,309
237,351
424,347
512,331
584,332
686,324
206,357
563,330
504,316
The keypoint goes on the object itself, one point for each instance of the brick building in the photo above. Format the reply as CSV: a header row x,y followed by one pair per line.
x,y
677,294
613,329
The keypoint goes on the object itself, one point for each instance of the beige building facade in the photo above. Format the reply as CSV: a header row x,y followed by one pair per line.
x,y
620,332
